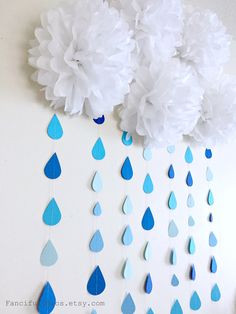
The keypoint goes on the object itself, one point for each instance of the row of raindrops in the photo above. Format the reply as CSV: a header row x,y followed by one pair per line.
x,y
51,217
215,292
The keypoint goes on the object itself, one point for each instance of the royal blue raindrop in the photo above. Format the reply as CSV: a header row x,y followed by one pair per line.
x,y
47,300
212,240
192,273
176,308
215,293
148,185
148,284
127,139
171,172
195,302
98,151
99,120
126,170
96,284
208,153
148,220
52,214
55,130
174,281
189,179
213,265
128,305
188,156
52,169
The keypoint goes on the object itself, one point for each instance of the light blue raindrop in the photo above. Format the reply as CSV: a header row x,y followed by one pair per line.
x,y
97,183
176,308
97,210
98,151
172,202
55,130
52,214
127,207
189,179
209,174
127,270
191,246
190,201
147,153
148,185
126,170
128,305
148,220
188,156
191,221
195,302
171,149
94,312
148,284
127,237
174,281
213,265
212,240
210,198
127,139
49,255
173,257
96,244
215,293
147,252
172,230
150,311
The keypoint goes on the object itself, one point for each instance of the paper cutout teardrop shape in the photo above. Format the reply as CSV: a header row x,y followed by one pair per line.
x,y
148,185
212,240
189,179
47,300
210,198
172,202
148,220
213,265
191,246
191,221
171,172
55,130
171,149
192,273
190,201
147,154
127,207
127,139
147,252
195,302
52,214
173,257
94,312
128,305
97,210
99,120
210,217
176,308
208,153
174,281
127,237
173,229
52,169
127,270
215,293
98,151
150,311
148,284
96,284
97,183
96,244
49,255
126,170
209,175
188,156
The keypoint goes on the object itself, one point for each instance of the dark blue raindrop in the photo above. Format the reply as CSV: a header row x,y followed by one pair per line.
x,y
96,284
189,179
208,153
171,172
99,120
148,220
192,273
148,284
47,300
126,170
52,169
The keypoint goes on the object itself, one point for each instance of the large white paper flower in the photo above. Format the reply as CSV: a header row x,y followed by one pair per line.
x,y
82,53
163,104
157,26
206,45
217,123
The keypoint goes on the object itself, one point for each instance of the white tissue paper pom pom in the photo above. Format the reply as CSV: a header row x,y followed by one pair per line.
x,y
157,26
163,104
217,123
82,53
206,45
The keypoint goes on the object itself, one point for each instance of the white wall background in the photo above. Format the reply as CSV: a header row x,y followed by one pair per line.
x,y
24,193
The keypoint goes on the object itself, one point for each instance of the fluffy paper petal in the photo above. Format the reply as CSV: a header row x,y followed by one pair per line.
x,y
82,55
163,104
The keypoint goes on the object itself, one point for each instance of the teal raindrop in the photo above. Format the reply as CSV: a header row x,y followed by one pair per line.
x,y
213,265
126,170
128,305
215,293
127,237
195,302
212,240
96,284
171,172
148,185
52,214
189,179
176,308
148,284
126,139
188,156
210,198
174,281
96,244
52,169
97,183
97,210
55,130
98,151
148,220
191,246
47,300
172,202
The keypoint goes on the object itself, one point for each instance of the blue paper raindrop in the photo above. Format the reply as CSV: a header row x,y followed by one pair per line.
x,y
96,284
147,153
190,201
128,305
99,120
52,169
171,172
47,300
215,293
98,151
150,311
52,214
174,281
127,270
195,302
127,207
210,198
97,210
171,149
173,257
126,170
176,308
212,240
49,255
191,221
127,237
192,273
210,218
147,252
55,130
172,230
209,174
97,183
148,284
208,153
148,185
148,220
127,139
188,156
94,312
191,246
96,244
189,179
213,265
172,202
